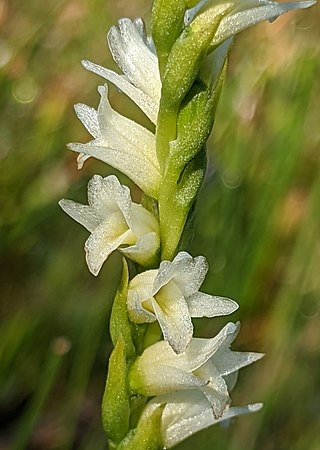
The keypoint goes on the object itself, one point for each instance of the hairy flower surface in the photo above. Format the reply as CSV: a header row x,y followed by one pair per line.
x,y
115,222
245,14
207,365
134,53
187,412
118,141
171,296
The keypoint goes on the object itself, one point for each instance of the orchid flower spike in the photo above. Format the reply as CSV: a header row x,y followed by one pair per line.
x,y
207,365
115,222
187,412
171,296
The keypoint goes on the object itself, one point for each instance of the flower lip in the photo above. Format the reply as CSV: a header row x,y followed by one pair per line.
x,y
111,219
171,296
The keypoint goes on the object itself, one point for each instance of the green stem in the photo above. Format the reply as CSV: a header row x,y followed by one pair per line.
x,y
166,132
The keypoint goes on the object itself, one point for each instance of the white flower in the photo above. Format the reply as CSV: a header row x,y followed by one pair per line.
x,y
187,412
113,221
135,55
250,12
118,141
207,365
171,295
245,14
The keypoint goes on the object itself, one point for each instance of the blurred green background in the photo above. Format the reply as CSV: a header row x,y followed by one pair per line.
x,y
258,225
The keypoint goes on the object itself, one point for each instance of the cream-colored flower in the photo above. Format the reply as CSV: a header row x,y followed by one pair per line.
x,y
187,412
119,141
245,14
171,296
135,55
207,365
115,222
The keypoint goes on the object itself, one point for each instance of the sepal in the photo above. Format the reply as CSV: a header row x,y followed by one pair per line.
x,y
250,13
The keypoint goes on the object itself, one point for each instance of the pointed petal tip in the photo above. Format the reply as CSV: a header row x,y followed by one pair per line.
x,y
85,63
64,204
254,407
308,3
259,356
93,268
232,327
233,305
70,145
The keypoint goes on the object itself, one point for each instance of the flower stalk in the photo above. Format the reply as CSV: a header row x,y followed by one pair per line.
x,y
163,383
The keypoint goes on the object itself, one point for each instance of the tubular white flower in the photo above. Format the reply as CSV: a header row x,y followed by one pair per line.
x,y
135,56
251,12
207,365
245,14
187,412
114,221
171,296
119,142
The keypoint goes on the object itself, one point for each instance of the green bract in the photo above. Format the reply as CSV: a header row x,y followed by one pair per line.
x,y
115,403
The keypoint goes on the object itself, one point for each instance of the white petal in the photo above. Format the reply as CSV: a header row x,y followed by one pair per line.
x,y
135,59
143,221
145,250
145,103
104,240
199,351
149,379
231,380
216,389
187,412
124,145
204,305
187,272
239,21
134,166
117,130
214,63
173,316
83,214
89,118
107,196
228,361
140,291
